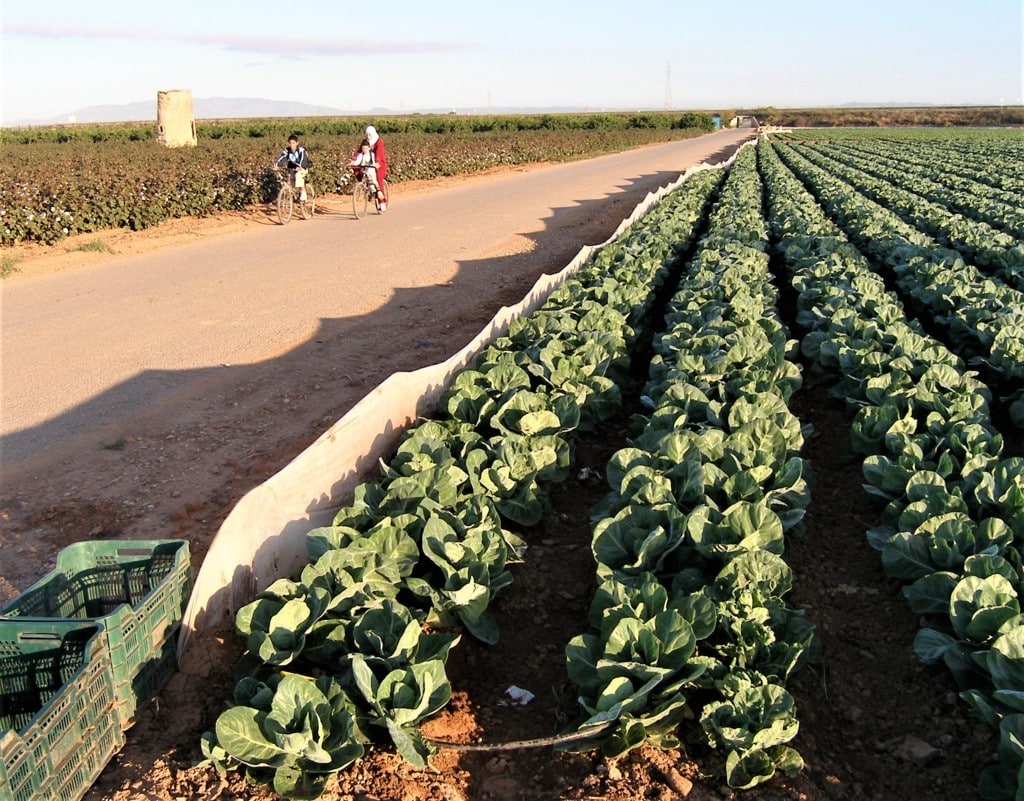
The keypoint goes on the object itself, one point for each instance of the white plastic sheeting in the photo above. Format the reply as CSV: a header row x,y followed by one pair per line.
x,y
264,537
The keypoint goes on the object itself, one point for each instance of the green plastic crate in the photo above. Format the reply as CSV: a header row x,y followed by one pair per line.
x,y
58,722
137,589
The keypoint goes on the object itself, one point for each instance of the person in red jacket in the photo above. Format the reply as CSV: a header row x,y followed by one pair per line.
x,y
381,159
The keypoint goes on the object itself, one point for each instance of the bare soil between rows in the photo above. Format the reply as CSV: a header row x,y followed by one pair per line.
x,y
875,723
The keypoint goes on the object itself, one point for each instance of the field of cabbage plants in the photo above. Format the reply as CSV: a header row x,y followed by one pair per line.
x,y
886,269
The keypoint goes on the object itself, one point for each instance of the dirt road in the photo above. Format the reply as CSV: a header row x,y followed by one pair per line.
x,y
142,393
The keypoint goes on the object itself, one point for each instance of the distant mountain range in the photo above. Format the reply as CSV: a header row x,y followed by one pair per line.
x,y
221,108
885,105
204,107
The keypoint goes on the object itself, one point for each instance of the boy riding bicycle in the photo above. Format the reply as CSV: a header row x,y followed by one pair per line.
x,y
296,159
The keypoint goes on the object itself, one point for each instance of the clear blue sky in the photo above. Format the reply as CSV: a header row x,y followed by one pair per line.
x,y
62,55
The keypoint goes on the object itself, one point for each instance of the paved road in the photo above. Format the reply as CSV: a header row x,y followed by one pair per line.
x,y
84,348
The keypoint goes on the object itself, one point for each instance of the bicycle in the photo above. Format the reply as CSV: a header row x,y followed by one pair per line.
x,y
362,191
290,195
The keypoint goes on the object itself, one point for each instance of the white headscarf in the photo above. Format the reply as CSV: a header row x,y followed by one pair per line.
x,y
371,135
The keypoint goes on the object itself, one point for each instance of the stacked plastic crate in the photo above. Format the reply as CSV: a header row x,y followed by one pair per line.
x,y
80,652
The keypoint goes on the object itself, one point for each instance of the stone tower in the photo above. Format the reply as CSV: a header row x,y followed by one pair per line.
x,y
175,119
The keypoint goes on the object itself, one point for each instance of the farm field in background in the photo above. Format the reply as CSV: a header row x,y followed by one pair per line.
x,y
62,180
56,182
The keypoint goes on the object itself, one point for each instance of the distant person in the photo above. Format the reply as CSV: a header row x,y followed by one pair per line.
x,y
296,159
365,163
380,157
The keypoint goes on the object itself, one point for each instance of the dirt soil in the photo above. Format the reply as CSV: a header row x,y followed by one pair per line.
x,y
875,723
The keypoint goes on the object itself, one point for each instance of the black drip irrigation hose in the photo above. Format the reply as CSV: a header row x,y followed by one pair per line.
x,y
515,745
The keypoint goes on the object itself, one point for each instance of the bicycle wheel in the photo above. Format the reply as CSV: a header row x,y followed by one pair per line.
x,y
359,200
284,204
308,206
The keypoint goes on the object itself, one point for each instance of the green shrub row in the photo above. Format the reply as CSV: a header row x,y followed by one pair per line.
x,y
50,191
351,126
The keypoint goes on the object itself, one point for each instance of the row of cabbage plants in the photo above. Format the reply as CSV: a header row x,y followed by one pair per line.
x,y
954,520
353,652
991,161
990,157
976,200
946,162
984,316
1001,253
691,609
